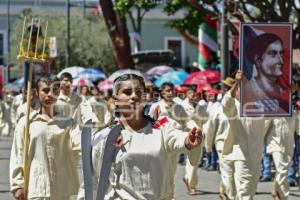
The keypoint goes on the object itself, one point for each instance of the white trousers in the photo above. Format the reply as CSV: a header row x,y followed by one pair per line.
x,y
255,169
282,163
191,170
236,178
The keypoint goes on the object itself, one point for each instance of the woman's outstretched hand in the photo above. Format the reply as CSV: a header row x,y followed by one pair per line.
x,y
194,138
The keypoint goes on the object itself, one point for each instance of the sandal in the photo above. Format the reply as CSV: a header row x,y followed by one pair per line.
x,y
186,184
275,195
193,192
223,196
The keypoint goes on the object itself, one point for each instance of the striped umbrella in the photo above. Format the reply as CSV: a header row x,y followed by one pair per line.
x,y
92,74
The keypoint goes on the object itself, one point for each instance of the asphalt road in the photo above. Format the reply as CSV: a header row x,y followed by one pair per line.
x,y
208,188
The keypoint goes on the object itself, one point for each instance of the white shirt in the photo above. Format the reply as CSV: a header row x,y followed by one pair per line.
x,y
53,167
282,139
145,163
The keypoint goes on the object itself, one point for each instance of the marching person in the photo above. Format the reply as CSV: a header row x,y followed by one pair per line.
x,y
197,116
52,165
5,113
243,152
34,105
84,92
17,101
213,107
142,166
99,107
70,105
167,107
281,146
216,133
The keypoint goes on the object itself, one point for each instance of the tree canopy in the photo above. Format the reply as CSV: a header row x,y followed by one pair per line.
x,y
89,42
243,10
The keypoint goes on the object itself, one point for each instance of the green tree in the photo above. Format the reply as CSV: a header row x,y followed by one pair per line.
x,y
89,43
135,11
243,10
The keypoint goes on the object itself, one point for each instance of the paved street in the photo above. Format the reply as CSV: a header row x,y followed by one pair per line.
x,y
208,186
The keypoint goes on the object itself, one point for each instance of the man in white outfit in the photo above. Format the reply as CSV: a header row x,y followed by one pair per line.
x,y
166,107
281,146
246,150
197,117
71,106
215,131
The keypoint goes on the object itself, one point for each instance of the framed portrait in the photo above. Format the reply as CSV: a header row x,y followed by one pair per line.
x,y
266,63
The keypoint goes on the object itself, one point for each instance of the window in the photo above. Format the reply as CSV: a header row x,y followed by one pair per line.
x,y
3,47
176,44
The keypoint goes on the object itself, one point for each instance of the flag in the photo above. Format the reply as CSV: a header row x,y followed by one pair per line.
x,y
208,45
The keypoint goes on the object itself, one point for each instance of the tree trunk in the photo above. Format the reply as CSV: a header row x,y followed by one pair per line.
x,y
117,29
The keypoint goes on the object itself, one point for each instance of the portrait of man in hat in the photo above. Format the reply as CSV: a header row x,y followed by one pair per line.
x,y
266,91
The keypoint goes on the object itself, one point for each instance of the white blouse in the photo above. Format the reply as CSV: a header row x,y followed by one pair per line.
x,y
143,166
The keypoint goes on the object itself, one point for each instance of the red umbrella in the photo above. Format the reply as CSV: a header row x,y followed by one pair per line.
x,y
203,85
211,76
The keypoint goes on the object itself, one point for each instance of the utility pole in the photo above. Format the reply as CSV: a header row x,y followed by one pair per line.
x,y
84,5
224,44
68,35
8,41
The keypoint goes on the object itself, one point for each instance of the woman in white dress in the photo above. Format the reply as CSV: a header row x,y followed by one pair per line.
x,y
143,163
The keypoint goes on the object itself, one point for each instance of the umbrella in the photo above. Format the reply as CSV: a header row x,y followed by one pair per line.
x,y
74,71
92,75
203,85
211,76
105,85
78,82
175,77
120,72
159,70
195,78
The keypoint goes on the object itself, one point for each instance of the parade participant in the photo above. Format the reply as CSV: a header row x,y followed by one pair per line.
x,y
242,154
68,101
84,92
281,146
213,107
99,107
5,114
149,98
166,107
197,117
52,165
215,131
17,101
70,105
142,167
34,105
